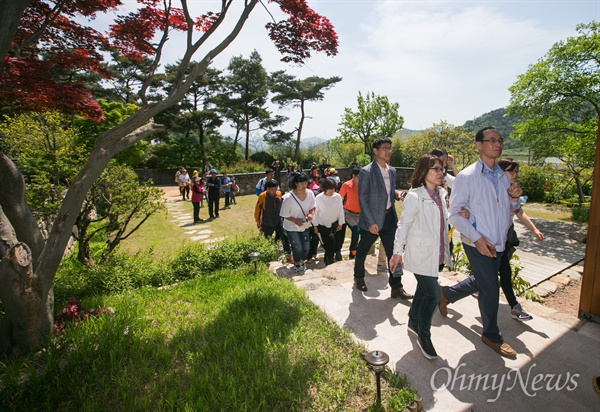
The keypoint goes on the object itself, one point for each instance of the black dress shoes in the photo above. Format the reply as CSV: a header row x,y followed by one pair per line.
x,y
360,284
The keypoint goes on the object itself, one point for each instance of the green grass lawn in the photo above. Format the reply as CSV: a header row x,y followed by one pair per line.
x,y
228,341
165,237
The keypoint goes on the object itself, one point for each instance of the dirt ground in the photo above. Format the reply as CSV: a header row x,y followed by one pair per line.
x,y
566,300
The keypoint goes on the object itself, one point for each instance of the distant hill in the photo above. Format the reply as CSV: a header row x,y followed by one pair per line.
x,y
497,118
311,141
404,133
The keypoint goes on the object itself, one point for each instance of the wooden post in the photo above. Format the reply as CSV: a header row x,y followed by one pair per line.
x,y
589,302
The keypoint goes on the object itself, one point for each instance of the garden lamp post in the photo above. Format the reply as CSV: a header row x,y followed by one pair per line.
x,y
377,360
254,258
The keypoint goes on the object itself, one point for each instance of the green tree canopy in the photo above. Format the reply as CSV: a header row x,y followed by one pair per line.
x,y
375,117
296,92
557,101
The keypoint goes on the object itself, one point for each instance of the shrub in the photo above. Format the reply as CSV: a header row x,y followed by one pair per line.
x,y
195,260
581,213
532,180
123,272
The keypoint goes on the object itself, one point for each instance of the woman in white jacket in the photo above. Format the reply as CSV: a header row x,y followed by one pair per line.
x,y
421,245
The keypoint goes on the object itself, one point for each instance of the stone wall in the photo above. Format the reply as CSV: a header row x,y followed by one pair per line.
x,y
247,181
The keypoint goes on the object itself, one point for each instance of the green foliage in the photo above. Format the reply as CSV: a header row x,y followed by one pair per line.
x,y
254,340
120,272
262,158
532,180
375,117
344,153
290,91
244,166
43,144
500,119
521,287
459,260
195,259
581,213
558,103
455,140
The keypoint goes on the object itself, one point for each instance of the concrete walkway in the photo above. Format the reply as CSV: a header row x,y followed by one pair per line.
x,y
552,372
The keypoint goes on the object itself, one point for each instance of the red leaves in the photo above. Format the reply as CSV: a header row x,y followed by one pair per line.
x,y
73,313
205,22
303,31
133,34
31,85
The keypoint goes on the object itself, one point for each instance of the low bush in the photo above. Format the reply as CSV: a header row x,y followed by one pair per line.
x,y
122,272
581,213
532,180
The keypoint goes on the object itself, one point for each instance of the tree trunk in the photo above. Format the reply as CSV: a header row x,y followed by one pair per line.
x,y
28,309
299,136
84,252
247,155
9,19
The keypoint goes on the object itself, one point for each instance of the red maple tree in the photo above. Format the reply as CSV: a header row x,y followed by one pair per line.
x,y
45,61
52,49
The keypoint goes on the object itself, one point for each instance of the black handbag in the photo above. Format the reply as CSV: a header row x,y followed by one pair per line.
x,y
511,237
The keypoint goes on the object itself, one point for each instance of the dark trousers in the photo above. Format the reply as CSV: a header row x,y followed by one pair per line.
x,y
213,206
332,242
185,191
285,241
314,244
196,211
354,236
506,277
424,304
387,234
269,230
485,281
227,196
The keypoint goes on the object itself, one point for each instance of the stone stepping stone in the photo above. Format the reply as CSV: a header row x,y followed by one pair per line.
x,y
201,237
214,240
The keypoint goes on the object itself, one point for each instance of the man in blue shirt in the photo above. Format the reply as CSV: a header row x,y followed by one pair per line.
x,y
485,191
226,188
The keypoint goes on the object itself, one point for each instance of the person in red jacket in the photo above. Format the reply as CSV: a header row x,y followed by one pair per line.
x,y
197,194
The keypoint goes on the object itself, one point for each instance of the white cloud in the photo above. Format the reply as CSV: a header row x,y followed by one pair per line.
x,y
441,60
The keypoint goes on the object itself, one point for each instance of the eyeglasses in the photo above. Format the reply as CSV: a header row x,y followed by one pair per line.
x,y
437,169
493,141
386,148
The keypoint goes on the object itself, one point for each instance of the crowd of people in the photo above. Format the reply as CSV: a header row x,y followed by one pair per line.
x,y
206,187
479,202
318,208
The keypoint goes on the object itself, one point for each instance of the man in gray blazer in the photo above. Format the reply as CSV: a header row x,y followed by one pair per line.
x,y
378,218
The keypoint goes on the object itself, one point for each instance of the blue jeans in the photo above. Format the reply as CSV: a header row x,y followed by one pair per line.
x,y
484,280
300,242
427,297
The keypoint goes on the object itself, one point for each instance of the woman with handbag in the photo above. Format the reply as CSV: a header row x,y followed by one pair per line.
x,y
511,168
421,245
328,220
297,210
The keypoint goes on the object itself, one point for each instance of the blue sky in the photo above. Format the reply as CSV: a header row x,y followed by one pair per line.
x,y
440,60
